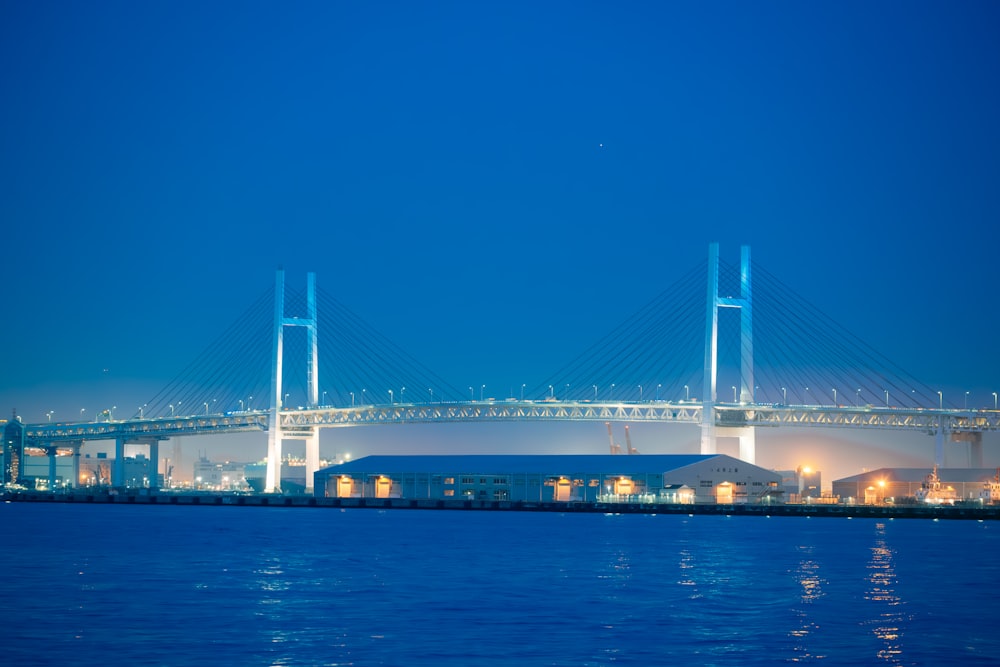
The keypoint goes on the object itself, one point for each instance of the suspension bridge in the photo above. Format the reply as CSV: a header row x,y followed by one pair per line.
x,y
786,363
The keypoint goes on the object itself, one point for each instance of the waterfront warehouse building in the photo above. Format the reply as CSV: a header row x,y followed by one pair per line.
x,y
900,485
666,478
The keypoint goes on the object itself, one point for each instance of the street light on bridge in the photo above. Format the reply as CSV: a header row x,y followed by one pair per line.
x,y
640,393
595,392
994,400
834,397
734,394
940,400
522,392
390,397
49,413
784,396
481,390
352,398
886,397
687,392
966,400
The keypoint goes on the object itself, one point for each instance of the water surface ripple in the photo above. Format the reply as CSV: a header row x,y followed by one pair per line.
x,y
154,585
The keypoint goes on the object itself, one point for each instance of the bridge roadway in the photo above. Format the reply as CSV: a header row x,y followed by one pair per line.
x,y
726,415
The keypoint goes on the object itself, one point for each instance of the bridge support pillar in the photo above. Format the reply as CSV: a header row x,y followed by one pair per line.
x,y
118,472
153,471
272,479
748,445
51,451
708,443
747,437
76,463
272,482
312,459
939,437
975,440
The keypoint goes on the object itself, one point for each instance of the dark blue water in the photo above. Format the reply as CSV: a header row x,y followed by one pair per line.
x,y
155,585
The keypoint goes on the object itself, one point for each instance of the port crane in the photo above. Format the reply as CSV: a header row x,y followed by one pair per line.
x,y
615,447
628,442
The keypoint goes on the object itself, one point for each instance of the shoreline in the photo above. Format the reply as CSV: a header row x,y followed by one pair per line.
x,y
957,512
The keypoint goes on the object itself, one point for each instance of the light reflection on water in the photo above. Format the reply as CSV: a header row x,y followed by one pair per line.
x,y
887,605
807,574
255,586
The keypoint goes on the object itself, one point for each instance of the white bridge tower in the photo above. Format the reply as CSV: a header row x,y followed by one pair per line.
x,y
709,429
275,434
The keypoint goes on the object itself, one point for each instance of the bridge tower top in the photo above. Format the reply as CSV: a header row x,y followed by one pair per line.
x,y
745,304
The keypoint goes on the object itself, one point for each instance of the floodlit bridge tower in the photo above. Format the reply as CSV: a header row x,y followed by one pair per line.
x,y
275,434
709,429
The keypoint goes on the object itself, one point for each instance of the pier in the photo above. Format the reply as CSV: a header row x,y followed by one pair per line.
x,y
972,512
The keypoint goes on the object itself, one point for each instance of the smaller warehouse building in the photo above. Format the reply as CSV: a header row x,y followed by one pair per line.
x,y
902,485
667,478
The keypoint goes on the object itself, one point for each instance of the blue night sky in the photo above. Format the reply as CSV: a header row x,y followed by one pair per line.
x,y
493,186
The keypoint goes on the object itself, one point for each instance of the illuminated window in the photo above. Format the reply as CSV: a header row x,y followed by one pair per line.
x,y
449,480
449,492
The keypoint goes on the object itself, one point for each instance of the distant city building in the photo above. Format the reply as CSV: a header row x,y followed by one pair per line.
x,y
96,471
219,476
801,483
13,451
668,478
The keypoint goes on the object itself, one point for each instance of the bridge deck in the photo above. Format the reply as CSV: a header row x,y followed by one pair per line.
x,y
732,415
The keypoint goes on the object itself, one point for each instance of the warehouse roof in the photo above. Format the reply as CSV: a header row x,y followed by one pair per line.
x,y
528,463
920,474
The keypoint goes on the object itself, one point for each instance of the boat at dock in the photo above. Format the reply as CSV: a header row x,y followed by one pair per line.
x,y
932,492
